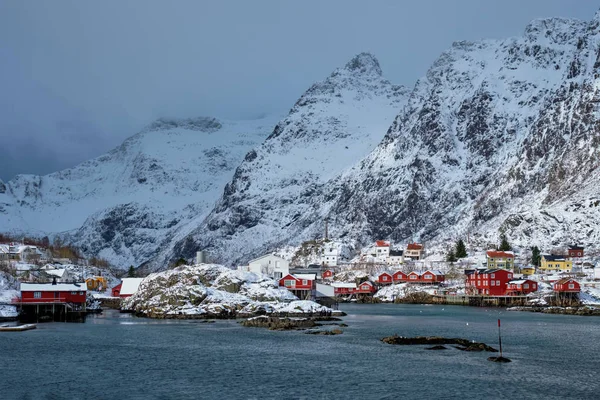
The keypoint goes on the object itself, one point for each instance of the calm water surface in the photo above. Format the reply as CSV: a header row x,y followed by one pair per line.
x,y
117,356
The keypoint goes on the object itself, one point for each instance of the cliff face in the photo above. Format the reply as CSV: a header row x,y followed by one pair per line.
x,y
498,136
272,194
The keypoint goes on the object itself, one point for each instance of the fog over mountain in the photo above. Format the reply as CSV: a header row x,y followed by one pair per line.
x,y
78,78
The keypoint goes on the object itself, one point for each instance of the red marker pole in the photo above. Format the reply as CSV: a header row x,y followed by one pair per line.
x,y
499,338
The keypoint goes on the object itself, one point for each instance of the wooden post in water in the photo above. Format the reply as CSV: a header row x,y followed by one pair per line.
x,y
499,338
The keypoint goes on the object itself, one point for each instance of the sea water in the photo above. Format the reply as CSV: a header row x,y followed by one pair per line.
x,y
119,356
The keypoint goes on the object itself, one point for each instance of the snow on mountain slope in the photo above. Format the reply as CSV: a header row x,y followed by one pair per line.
x,y
124,204
332,126
500,135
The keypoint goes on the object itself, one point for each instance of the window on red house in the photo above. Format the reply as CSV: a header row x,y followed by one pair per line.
x,y
37,295
571,286
304,282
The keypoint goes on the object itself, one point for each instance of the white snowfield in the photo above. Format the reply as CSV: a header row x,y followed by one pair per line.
x,y
125,204
213,290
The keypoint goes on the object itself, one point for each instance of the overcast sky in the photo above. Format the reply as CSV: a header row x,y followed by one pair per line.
x,y
78,77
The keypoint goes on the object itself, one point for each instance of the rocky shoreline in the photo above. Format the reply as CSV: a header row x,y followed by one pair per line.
x,y
582,310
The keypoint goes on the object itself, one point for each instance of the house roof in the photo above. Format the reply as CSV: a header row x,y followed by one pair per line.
x,y
382,243
400,272
130,285
396,253
343,285
385,273
565,280
574,247
553,257
265,256
500,254
309,277
521,281
435,272
59,273
49,287
414,246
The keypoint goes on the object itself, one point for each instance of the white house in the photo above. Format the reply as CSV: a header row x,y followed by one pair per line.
x,y
270,264
330,255
380,251
395,257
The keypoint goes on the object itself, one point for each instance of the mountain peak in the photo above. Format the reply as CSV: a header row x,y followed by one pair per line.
x,y
364,63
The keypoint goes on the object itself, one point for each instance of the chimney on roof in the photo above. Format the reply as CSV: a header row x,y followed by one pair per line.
x,y
54,280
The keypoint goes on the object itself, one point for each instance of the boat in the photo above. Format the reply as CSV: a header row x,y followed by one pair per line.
x,y
17,328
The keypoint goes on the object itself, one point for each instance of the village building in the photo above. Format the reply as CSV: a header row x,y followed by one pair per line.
x,y
500,259
366,288
271,265
566,285
488,282
380,251
528,270
327,274
413,277
555,263
432,276
302,286
52,301
21,252
575,251
395,257
129,286
385,279
330,255
414,251
116,291
521,287
343,288
399,276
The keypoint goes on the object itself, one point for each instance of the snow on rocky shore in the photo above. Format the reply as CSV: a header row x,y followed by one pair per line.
x,y
211,290
8,286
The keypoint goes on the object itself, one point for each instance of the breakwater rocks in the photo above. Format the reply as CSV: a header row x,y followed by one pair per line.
x,y
462,344
584,310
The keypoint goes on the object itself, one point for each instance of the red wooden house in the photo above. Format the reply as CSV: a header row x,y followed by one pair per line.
x,y
575,251
413,277
365,288
343,289
301,285
116,291
521,287
566,285
431,276
399,276
489,282
385,279
53,293
328,274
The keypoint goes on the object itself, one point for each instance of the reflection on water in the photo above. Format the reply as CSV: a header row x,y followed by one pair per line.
x,y
117,355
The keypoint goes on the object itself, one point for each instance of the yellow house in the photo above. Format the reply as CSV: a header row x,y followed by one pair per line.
x,y
528,270
500,259
554,263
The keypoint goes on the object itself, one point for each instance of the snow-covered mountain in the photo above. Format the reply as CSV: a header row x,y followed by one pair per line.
x,y
500,135
333,125
126,204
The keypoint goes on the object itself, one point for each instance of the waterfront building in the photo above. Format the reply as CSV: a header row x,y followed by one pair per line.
x,y
500,259
555,263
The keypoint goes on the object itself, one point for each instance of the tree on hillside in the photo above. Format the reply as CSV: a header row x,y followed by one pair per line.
x,y
504,245
536,256
451,257
460,251
181,261
131,272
